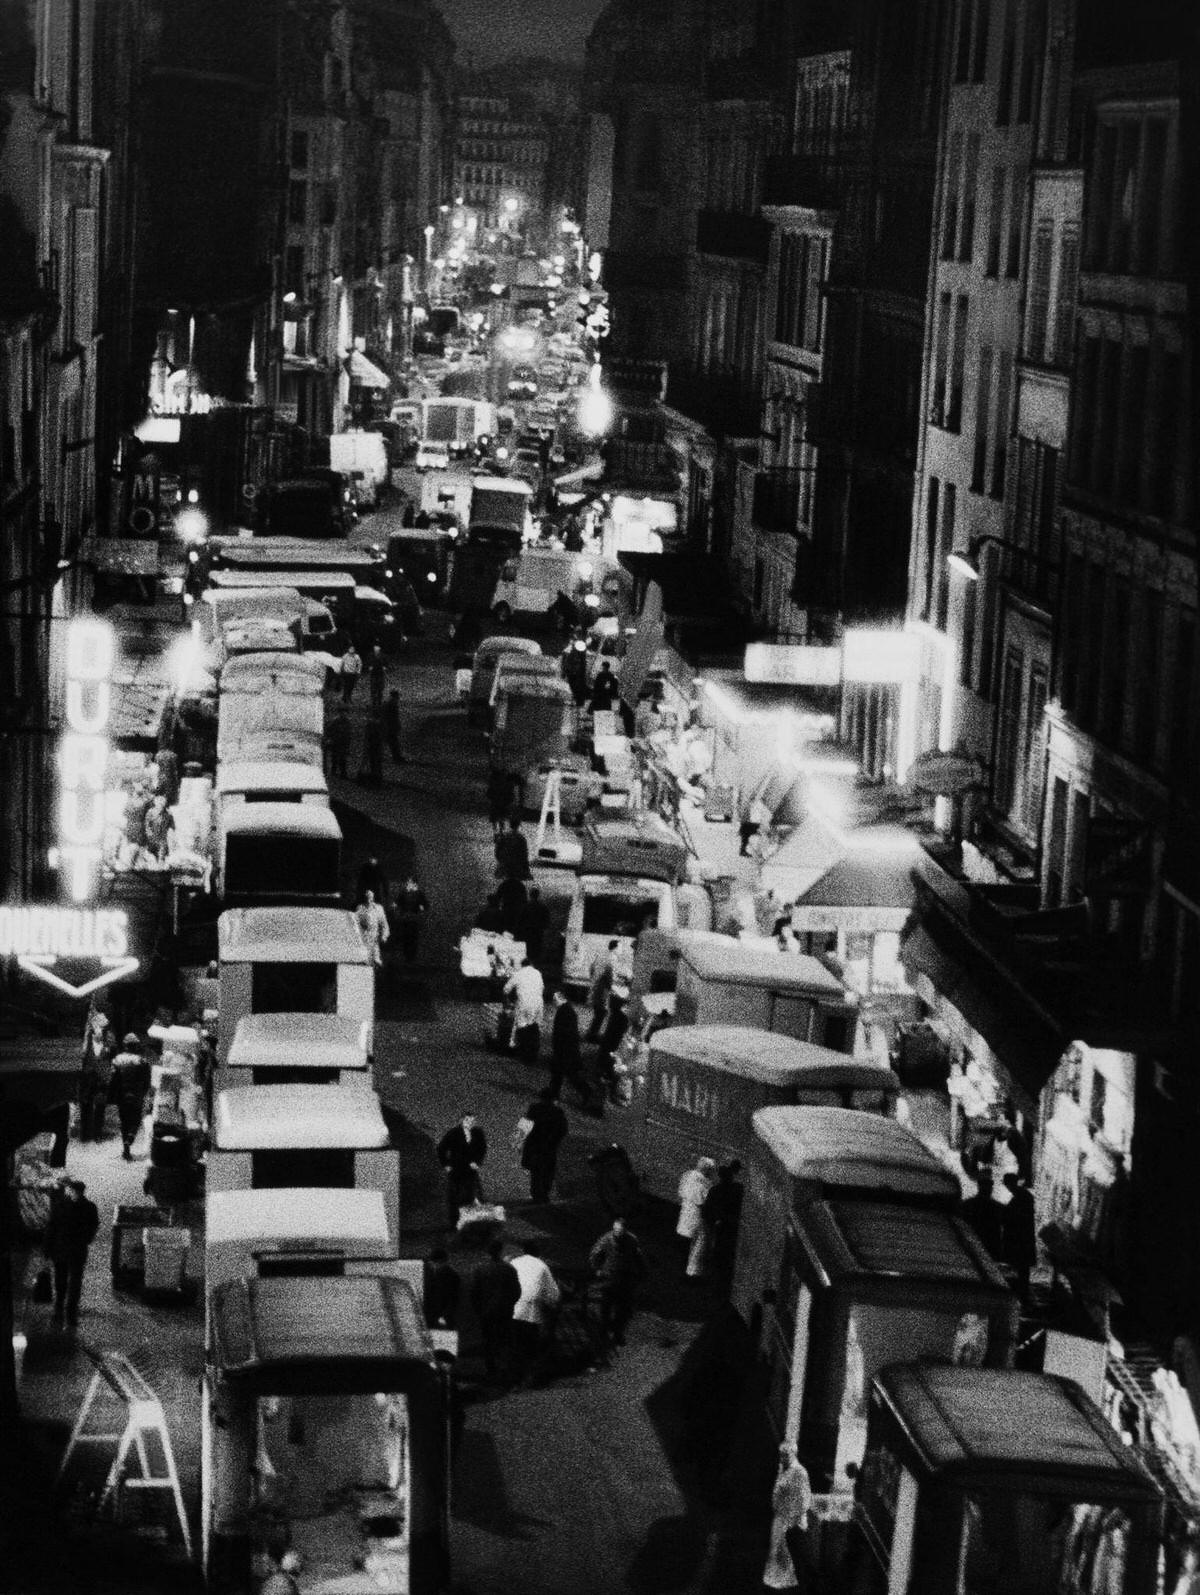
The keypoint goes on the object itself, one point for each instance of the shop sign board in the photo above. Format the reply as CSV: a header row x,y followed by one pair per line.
x,y
879,657
84,754
792,665
39,937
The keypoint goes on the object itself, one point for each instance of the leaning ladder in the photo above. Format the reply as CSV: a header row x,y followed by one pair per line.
x,y
144,1417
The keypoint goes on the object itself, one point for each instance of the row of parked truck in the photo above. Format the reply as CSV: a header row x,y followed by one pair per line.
x,y
325,1406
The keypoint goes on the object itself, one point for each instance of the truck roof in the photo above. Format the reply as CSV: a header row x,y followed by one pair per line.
x,y
262,1118
285,580
311,821
503,484
300,1040
771,1059
296,1219
271,775
752,966
842,1147
290,936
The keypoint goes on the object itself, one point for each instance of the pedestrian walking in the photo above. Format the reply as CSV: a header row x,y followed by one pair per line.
x,y
96,1066
495,1291
512,852
441,1290
534,1314
533,921
350,670
722,1214
566,1060
618,1267
131,1082
391,725
74,1220
546,1131
500,800
527,992
371,773
372,921
510,897
605,690
791,1502
600,978
1020,1231
376,674
408,911
611,1038
461,1152
985,1215
372,877
337,745
695,1184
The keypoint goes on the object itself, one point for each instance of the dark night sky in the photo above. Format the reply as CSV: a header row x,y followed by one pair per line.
x,y
488,31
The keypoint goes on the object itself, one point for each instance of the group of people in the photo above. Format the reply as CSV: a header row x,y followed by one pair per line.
x,y
379,912
381,731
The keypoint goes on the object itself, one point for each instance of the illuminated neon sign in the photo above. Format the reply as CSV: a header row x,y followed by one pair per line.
x,y
84,754
38,937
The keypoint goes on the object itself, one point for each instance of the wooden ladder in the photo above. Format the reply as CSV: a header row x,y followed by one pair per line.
x,y
116,1376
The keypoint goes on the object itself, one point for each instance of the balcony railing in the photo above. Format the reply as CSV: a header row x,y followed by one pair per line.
x,y
733,234
649,467
776,505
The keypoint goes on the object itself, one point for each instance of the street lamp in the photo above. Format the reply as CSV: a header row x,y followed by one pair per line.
x,y
967,564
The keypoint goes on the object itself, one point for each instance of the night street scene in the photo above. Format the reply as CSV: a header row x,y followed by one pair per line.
x,y
599,796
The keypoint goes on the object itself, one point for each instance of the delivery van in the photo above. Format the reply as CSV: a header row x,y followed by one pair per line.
x,y
271,708
533,723
990,1479
483,672
533,583
627,883
272,853
270,781
223,601
291,960
728,982
291,1230
703,1083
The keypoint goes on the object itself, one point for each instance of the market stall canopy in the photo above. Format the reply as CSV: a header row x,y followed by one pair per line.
x,y
317,1334
365,372
870,888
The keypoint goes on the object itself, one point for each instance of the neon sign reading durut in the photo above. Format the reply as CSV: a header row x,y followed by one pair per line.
x,y
83,754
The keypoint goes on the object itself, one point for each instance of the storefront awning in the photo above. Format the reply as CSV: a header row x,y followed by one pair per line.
x,y
863,892
365,372
1027,1042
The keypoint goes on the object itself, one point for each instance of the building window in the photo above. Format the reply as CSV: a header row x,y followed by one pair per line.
x,y
1056,844
299,151
298,202
966,236
1131,430
1115,664
966,657
983,403
1008,52
293,268
1164,435
996,220
941,572
1033,44
931,544
1033,763
1147,664
1072,632
1064,298
1000,445
1008,731
958,356
1012,262
1037,314
941,355
950,199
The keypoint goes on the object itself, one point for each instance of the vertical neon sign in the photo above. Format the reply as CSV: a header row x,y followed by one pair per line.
x,y
84,754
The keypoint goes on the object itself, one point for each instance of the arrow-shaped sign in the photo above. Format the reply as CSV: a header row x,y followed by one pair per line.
x,y
40,968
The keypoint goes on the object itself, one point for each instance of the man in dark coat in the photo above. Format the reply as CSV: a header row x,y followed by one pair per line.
x,y
500,800
512,852
985,1215
722,1214
74,1221
391,724
605,690
461,1152
131,1082
409,911
1020,1232
618,1267
565,1056
376,673
337,744
539,1153
511,896
442,1290
532,923
495,1291
372,770
612,1036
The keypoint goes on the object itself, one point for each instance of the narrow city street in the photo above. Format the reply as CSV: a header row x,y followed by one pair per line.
x,y
612,1478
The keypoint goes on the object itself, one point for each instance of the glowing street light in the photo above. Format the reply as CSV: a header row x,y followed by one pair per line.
x,y
595,408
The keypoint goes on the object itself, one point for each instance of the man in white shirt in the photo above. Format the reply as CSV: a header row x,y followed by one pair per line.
x,y
527,990
373,922
534,1313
